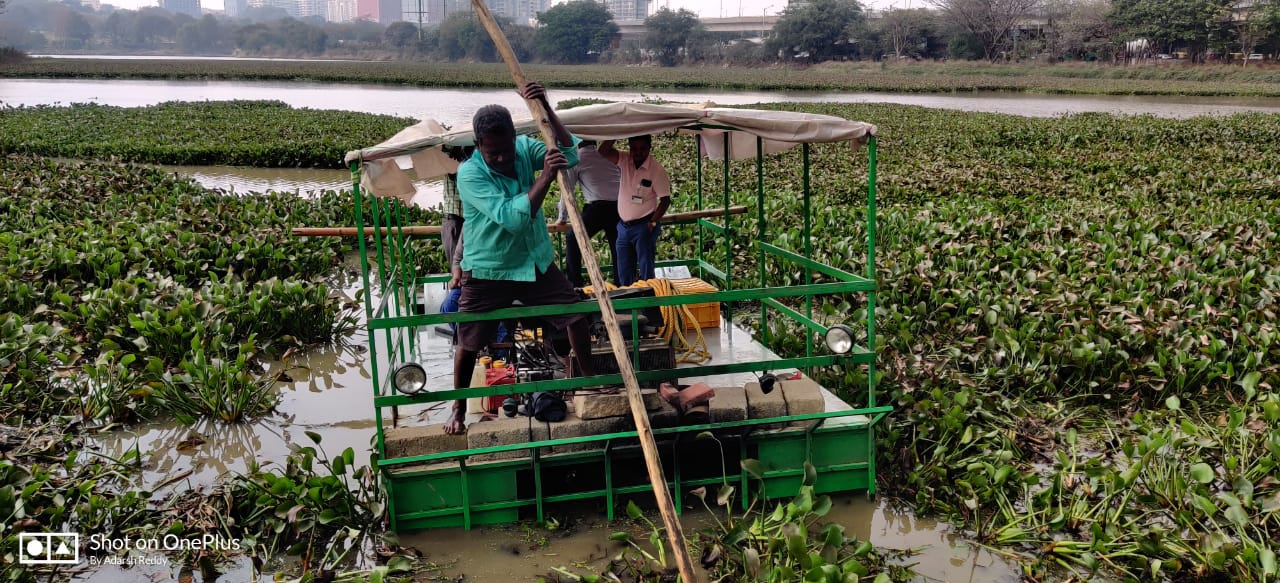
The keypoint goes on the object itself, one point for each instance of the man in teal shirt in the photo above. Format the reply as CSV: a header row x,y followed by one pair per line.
x,y
507,253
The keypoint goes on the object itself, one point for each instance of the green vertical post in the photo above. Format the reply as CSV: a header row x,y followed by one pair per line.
x,y
760,236
697,142
871,270
389,287
377,244
466,494
537,482
410,272
871,307
608,479
368,301
728,235
808,249
395,228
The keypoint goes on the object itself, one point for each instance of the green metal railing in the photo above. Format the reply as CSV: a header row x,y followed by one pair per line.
x,y
391,267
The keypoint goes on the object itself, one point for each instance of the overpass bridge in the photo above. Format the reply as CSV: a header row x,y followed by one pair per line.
x,y
746,27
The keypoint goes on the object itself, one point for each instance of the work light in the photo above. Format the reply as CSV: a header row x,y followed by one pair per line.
x,y
839,339
410,379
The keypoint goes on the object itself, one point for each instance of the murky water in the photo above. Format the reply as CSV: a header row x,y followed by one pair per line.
x,y
581,545
304,181
456,105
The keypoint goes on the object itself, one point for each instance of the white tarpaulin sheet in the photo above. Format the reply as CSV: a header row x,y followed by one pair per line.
x,y
779,131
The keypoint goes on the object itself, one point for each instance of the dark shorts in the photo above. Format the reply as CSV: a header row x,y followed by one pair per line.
x,y
485,295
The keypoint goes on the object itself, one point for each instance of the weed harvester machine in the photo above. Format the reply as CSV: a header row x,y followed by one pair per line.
x,y
770,415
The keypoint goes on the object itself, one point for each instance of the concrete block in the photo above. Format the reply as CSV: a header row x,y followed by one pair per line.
x,y
652,400
666,416
803,396
500,431
729,404
597,406
762,406
421,440
578,427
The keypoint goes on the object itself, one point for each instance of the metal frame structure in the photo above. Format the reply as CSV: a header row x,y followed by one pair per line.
x,y
840,444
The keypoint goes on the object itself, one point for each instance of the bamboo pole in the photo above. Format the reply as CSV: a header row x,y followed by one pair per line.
x,y
675,535
552,227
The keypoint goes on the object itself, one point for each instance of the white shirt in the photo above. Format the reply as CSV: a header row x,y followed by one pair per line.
x,y
597,175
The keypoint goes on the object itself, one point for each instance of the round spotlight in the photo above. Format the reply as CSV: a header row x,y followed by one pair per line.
x,y
839,339
767,382
410,379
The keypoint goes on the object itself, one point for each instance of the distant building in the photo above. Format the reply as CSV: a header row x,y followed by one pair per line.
x,y
340,11
234,8
383,12
311,8
422,12
189,7
289,6
628,9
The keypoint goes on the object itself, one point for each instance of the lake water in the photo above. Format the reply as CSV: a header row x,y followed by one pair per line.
x,y
455,105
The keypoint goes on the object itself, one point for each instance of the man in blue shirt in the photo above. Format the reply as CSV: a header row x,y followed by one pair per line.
x,y
507,253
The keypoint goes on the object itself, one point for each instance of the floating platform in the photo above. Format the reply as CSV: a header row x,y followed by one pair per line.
x,y
505,469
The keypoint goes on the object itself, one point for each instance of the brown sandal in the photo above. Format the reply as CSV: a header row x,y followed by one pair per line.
x,y
692,402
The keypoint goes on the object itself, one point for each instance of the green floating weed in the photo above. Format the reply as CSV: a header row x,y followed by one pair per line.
x,y
222,388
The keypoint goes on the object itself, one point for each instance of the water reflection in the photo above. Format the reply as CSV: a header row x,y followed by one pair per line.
x,y
303,181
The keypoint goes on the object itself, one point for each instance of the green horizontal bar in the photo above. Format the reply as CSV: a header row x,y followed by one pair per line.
x,y
795,316
830,468
712,226
440,512
864,284
635,489
432,457
859,355
433,278
571,497
711,269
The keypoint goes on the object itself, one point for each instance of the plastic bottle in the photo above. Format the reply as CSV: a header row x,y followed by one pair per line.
x,y
476,404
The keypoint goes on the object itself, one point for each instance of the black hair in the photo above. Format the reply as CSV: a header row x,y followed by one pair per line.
x,y
492,120
642,137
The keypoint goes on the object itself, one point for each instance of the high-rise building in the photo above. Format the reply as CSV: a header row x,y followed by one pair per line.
x,y
341,11
311,8
289,6
189,7
234,8
628,9
383,12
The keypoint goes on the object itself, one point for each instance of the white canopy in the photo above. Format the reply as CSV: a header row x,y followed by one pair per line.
x,y
780,131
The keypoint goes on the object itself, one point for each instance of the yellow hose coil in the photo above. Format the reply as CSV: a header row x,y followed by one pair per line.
x,y
673,321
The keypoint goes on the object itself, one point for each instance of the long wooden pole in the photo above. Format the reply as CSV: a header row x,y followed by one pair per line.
x,y
675,535
435,229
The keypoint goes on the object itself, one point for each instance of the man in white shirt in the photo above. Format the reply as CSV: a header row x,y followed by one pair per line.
x,y
599,180
644,194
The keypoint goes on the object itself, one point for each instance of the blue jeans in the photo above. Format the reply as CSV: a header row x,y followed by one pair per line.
x,y
637,246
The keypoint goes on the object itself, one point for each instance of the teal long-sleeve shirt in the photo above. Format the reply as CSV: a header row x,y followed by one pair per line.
x,y
504,238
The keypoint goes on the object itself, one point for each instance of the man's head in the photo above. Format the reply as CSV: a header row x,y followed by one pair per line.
x,y
496,138
640,146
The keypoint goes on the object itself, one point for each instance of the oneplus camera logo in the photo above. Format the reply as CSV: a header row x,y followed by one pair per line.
x,y
48,548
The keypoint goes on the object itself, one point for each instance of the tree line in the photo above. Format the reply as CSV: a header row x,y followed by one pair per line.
x,y
582,31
